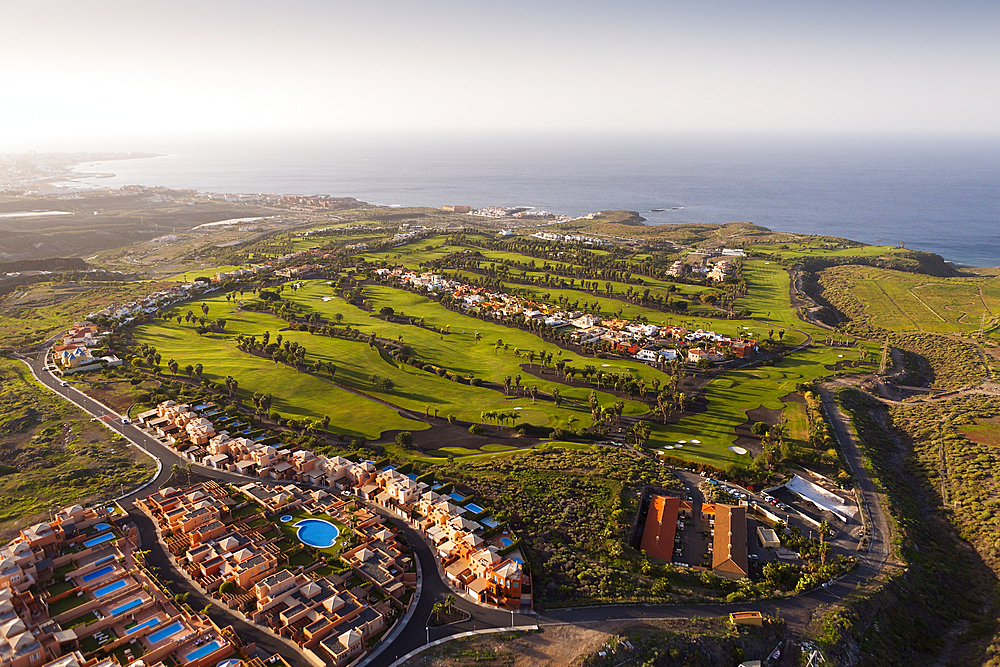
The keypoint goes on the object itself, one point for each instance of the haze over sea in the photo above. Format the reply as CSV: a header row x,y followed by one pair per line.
x,y
935,194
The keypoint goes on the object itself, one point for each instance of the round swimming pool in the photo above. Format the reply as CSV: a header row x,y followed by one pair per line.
x,y
317,533
286,518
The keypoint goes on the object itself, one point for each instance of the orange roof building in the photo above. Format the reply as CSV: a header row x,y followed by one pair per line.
x,y
660,527
729,549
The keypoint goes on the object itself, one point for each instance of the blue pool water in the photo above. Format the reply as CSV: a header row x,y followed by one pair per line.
x,y
145,624
101,527
286,518
317,533
113,510
456,496
506,542
412,476
201,407
97,574
474,508
110,588
99,540
104,560
128,606
259,438
210,647
436,487
232,662
489,522
518,561
163,633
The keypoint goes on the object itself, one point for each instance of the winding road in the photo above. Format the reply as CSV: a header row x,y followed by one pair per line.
x,y
415,633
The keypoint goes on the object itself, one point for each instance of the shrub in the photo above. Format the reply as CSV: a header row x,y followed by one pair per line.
x,y
404,439
477,429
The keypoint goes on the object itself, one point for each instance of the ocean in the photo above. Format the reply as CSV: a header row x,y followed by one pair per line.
x,y
938,195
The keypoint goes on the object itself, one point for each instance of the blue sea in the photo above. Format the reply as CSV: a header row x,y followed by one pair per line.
x,y
934,194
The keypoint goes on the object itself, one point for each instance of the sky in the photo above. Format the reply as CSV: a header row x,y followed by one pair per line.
x,y
84,75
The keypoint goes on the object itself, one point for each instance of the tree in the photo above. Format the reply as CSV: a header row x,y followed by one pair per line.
x,y
759,429
198,369
189,369
228,587
557,397
436,610
173,366
449,604
386,311
404,439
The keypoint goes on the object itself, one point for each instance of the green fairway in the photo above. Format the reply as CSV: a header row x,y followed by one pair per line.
x,y
767,299
732,395
295,394
459,351
306,395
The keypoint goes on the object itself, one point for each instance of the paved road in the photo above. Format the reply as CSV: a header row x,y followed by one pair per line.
x,y
796,610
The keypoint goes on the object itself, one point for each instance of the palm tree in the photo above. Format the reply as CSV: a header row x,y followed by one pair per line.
x,y
449,604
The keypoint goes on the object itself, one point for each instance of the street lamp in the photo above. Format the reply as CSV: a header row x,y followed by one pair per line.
x,y
511,619
428,629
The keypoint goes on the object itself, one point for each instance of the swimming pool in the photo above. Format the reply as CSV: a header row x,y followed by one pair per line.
x,y
128,606
101,527
489,522
210,647
474,508
456,496
317,533
97,574
99,540
104,560
110,588
506,542
286,518
232,662
145,624
164,633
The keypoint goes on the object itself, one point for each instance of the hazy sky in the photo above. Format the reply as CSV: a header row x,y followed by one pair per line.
x,y
75,74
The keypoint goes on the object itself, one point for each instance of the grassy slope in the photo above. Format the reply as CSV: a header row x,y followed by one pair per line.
x,y
901,301
55,456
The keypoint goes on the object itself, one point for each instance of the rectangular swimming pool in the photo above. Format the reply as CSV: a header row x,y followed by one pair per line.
x,y
456,496
128,606
164,633
105,559
489,522
110,588
99,540
145,624
210,647
474,508
97,574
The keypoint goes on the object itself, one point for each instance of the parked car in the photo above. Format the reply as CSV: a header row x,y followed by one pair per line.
x,y
64,384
